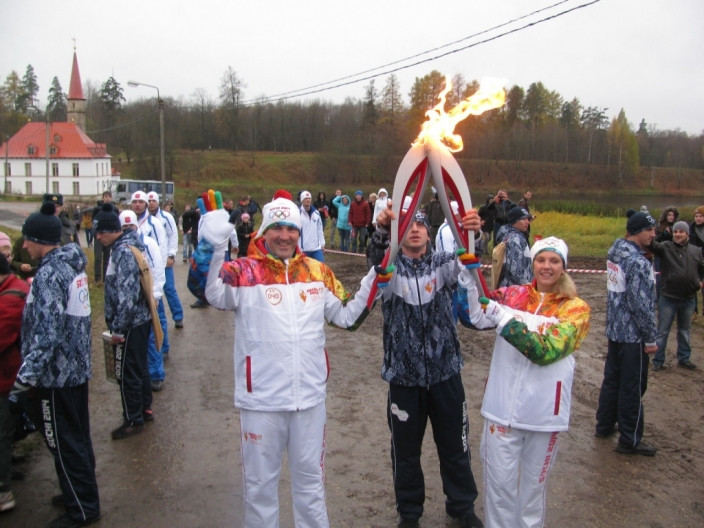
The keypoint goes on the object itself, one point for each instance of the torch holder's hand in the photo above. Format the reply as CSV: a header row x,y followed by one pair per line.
x,y
384,275
468,260
215,227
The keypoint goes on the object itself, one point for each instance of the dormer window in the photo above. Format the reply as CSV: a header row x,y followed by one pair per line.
x,y
31,150
57,138
53,150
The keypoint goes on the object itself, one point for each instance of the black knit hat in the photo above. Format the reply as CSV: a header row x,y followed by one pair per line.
x,y
106,221
4,265
58,199
43,227
421,218
638,222
517,213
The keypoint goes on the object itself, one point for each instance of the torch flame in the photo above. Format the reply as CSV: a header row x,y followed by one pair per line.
x,y
440,125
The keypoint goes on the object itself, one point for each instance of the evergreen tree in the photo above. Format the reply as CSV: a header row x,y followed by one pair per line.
x,y
29,88
57,107
111,98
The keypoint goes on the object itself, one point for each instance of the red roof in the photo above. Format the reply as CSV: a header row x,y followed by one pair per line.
x,y
67,139
75,90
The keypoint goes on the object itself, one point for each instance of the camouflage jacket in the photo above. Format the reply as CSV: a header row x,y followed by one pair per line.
x,y
630,307
125,305
56,322
421,347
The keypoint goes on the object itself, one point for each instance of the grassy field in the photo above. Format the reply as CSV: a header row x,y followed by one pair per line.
x,y
586,236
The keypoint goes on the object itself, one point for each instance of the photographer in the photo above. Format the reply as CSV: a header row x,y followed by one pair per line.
x,y
500,208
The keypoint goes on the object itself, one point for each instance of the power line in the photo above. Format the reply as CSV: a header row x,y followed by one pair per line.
x,y
422,53
123,125
343,81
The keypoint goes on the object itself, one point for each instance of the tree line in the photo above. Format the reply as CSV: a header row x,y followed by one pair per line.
x,y
535,124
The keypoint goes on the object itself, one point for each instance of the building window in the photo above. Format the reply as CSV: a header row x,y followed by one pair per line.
x,y
76,189
75,169
27,169
31,150
54,169
53,150
57,138
55,187
28,188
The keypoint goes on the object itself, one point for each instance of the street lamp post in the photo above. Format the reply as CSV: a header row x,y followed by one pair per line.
x,y
48,132
161,133
7,166
48,145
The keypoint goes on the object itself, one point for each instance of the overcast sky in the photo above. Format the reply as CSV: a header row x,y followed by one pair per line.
x,y
644,56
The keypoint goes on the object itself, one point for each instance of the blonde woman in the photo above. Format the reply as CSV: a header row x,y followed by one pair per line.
x,y
528,392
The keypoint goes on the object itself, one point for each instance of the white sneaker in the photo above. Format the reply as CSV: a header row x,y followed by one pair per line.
x,y
7,500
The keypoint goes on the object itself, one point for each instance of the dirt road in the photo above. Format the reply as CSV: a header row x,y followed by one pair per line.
x,y
184,471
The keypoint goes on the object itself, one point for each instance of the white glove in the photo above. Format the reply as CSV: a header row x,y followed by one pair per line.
x,y
215,227
497,314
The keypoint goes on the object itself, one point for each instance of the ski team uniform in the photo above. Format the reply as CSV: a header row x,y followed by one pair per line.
x,y
151,226
171,230
312,240
630,324
127,313
422,364
56,346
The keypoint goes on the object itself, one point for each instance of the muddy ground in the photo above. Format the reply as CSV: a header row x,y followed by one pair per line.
x,y
185,471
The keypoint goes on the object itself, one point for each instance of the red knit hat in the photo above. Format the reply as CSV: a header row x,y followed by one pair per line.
x,y
281,193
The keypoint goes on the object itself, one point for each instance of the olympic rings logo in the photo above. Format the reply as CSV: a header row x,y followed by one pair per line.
x,y
279,214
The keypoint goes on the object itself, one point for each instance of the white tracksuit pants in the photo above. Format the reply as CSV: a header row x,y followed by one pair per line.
x,y
265,437
516,466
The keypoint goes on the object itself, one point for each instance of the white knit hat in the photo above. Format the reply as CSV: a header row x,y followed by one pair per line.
x,y
553,244
153,196
128,218
139,195
280,212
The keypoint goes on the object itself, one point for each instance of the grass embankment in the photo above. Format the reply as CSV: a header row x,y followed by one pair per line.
x,y
586,236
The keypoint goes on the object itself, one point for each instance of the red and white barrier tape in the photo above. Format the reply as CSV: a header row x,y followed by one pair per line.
x,y
483,266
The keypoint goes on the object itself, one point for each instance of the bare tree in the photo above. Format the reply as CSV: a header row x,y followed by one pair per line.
x,y
231,95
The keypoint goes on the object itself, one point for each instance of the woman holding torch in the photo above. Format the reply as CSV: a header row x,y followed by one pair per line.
x,y
528,392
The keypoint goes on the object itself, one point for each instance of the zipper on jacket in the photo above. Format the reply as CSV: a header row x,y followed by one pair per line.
x,y
296,351
420,313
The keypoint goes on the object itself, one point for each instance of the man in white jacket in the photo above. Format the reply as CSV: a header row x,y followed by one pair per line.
x,y
312,239
171,231
281,300
151,227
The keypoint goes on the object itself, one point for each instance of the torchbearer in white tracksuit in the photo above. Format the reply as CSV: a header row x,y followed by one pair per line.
x,y
528,393
281,299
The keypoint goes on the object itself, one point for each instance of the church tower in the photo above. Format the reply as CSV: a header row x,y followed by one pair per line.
x,y
76,101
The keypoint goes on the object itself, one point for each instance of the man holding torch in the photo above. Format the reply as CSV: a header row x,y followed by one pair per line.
x,y
422,364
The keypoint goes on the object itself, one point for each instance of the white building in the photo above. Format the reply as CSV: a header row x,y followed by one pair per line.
x,y
60,153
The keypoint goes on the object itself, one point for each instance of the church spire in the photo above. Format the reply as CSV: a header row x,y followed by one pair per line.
x,y
75,90
76,101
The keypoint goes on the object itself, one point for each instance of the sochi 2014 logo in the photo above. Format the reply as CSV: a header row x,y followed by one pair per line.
x,y
273,295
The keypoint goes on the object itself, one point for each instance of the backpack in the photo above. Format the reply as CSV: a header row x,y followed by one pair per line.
x,y
498,258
